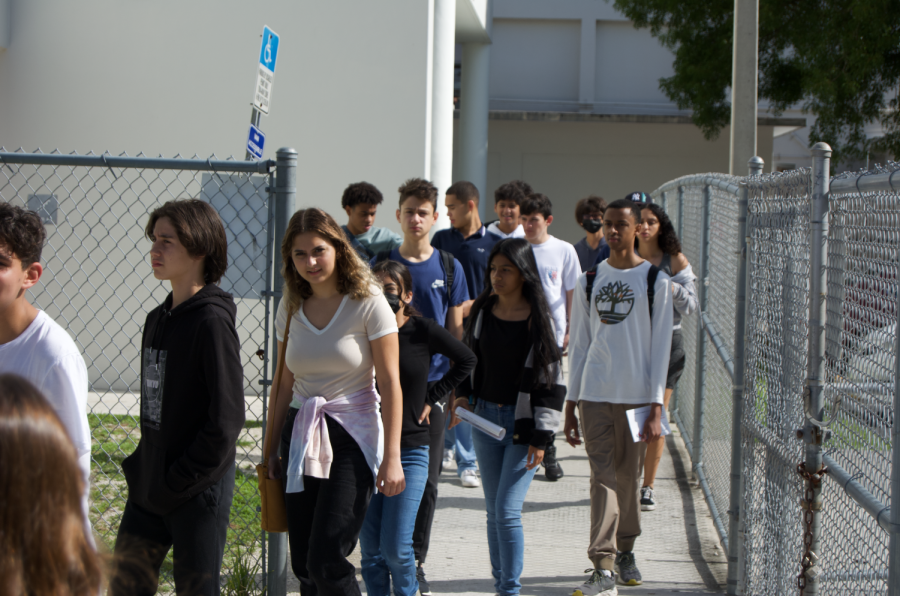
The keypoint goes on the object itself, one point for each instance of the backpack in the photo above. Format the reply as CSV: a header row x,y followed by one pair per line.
x,y
652,273
446,261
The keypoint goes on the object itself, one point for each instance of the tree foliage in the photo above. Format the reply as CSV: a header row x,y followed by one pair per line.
x,y
837,59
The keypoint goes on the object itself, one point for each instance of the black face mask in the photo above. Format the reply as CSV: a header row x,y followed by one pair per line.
x,y
592,226
394,301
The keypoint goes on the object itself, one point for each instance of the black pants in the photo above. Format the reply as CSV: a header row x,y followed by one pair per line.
x,y
325,519
425,517
195,531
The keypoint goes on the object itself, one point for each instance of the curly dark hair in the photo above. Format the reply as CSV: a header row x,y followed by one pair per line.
x,y
361,193
22,233
515,191
667,238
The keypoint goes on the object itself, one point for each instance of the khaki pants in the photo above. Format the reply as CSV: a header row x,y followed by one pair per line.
x,y
616,465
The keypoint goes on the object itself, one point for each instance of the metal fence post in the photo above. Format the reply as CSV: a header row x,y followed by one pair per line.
x,y
894,545
813,433
285,197
664,200
673,403
735,527
700,375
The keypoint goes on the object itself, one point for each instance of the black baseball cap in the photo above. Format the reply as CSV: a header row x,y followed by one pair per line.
x,y
639,197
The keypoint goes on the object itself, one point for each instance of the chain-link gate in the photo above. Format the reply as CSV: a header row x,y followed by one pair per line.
x,y
804,363
98,285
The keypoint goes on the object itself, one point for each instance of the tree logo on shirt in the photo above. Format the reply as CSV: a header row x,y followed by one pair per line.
x,y
614,302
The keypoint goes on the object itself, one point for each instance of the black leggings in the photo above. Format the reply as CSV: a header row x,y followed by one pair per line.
x,y
325,519
422,531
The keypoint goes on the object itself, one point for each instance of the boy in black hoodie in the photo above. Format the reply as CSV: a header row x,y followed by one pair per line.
x,y
181,476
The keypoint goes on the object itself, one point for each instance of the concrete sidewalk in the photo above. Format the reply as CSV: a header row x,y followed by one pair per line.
x,y
678,552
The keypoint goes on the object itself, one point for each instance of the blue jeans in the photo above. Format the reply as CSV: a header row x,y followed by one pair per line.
x,y
386,538
505,481
459,439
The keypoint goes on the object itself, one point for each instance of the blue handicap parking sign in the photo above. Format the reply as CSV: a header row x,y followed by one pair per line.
x,y
268,52
256,142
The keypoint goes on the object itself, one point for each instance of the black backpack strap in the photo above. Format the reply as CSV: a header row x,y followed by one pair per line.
x,y
589,276
652,274
383,255
447,262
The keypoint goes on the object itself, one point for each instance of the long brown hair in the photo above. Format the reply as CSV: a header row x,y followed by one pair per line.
x,y
44,549
354,276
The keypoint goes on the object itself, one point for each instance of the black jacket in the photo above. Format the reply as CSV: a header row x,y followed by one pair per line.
x,y
192,401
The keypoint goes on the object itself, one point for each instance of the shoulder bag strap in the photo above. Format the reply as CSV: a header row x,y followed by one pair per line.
x,y
273,398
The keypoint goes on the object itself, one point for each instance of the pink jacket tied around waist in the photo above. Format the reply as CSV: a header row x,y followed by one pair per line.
x,y
311,452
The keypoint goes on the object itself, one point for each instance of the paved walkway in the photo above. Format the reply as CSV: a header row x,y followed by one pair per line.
x,y
678,553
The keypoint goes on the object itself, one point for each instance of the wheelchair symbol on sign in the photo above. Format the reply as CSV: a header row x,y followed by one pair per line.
x,y
267,56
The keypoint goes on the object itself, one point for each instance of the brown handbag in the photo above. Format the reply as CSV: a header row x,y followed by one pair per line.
x,y
273,516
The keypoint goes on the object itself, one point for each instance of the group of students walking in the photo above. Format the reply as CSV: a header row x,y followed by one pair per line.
x,y
385,339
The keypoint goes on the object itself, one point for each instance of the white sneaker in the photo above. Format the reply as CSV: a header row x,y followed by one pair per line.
x,y
469,479
449,460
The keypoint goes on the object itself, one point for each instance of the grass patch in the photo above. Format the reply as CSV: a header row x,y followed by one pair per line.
x,y
115,437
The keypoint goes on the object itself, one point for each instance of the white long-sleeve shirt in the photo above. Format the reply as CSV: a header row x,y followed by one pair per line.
x,y
616,354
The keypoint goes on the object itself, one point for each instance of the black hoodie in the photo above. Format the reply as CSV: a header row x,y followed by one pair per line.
x,y
192,401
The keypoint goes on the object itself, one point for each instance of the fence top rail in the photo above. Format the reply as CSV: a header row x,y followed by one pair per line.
x,y
885,179
725,182
124,161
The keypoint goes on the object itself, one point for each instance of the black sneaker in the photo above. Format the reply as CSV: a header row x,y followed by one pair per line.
x,y
552,470
648,499
626,570
424,588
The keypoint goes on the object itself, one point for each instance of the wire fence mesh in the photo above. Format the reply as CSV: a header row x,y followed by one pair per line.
x,y
777,332
98,285
863,288
863,283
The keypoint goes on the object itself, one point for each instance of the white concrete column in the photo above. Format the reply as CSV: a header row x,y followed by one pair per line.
x,y
473,119
442,102
744,80
588,67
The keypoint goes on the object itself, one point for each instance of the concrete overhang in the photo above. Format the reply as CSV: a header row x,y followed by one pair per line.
x,y
621,118
472,21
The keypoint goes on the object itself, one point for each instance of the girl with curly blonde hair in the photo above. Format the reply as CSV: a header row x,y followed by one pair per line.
x,y
335,449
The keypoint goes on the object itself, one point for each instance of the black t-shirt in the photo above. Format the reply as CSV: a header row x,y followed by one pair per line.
x,y
504,348
420,338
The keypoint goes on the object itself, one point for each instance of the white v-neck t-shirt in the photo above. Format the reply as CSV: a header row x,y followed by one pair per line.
x,y
336,360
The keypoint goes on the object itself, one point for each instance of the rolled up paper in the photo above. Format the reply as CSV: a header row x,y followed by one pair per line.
x,y
485,426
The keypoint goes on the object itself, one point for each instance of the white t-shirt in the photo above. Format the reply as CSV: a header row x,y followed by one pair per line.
x,y
519,232
46,355
336,360
616,354
559,268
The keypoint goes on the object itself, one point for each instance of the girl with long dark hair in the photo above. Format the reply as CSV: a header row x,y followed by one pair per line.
x,y
335,450
386,540
658,243
518,385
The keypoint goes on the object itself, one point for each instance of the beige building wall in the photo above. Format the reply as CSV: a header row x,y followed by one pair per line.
x,y
570,160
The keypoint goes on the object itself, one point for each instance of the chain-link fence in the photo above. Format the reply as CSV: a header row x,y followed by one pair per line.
x,y
98,285
798,351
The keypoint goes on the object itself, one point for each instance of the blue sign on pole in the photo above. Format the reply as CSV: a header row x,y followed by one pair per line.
x,y
256,142
269,50
265,70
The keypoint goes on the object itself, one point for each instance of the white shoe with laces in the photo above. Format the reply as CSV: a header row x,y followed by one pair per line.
x,y
469,479
449,460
